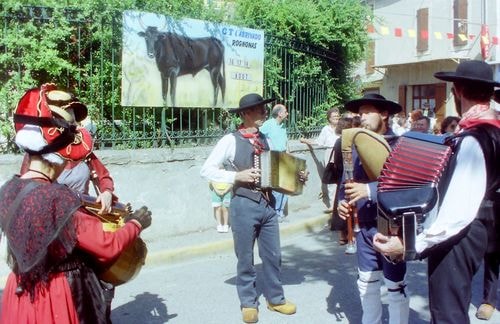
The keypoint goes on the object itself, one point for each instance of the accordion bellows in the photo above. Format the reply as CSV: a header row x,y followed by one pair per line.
x,y
372,149
280,171
409,178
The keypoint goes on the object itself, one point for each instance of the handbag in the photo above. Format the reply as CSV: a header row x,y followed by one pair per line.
x,y
332,172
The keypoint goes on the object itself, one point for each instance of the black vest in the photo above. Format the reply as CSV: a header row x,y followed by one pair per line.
x,y
488,137
243,160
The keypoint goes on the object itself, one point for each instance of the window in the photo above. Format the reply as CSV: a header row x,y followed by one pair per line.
x,y
424,98
423,29
460,22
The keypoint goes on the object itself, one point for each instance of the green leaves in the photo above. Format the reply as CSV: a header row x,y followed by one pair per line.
x,y
337,26
77,44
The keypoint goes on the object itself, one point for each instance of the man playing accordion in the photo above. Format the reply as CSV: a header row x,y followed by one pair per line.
x,y
455,239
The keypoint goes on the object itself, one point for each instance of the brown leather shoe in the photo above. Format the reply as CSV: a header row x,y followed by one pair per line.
x,y
250,315
288,308
485,311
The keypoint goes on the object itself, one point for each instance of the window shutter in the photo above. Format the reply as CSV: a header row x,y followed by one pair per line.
x,y
370,62
460,22
402,98
423,29
440,109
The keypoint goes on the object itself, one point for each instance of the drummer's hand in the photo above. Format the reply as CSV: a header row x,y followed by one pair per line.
x,y
303,176
390,246
344,209
356,191
249,175
105,198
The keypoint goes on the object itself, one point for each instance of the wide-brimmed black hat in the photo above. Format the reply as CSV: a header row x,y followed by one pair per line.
x,y
376,100
250,100
470,71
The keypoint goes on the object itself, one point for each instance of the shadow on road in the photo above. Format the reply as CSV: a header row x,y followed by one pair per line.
x,y
146,308
332,265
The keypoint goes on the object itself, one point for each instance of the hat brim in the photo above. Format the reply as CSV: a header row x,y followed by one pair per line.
x,y
262,102
79,109
391,107
62,113
452,77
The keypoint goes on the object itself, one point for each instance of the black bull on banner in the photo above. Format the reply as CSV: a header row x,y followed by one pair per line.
x,y
178,55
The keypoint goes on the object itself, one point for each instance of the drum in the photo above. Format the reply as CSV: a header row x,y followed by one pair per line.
x,y
131,260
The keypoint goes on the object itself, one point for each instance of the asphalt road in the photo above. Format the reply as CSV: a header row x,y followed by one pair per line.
x,y
317,276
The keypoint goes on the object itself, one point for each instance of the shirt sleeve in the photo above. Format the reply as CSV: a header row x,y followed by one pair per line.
x,y
104,246
224,151
462,199
105,181
322,138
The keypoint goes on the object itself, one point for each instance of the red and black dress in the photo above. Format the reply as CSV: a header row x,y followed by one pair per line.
x,y
53,247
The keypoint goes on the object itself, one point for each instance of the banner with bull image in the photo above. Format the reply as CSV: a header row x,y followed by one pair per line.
x,y
188,62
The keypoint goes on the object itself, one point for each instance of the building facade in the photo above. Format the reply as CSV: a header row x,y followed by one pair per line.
x,y
411,40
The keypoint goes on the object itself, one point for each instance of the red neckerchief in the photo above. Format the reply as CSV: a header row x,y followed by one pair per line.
x,y
478,114
253,138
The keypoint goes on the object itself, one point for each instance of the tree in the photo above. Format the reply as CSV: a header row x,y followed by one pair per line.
x,y
77,43
335,26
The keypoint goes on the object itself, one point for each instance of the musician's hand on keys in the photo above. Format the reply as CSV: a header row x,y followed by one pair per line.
x,y
105,198
390,246
356,191
303,176
344,209
248,175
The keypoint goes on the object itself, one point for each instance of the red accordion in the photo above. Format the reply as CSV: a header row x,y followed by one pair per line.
x,y
409,183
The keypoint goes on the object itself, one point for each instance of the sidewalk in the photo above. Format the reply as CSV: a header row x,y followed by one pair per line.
x,y
210,242
170,249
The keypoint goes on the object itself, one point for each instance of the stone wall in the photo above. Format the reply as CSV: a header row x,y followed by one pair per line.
x,y
169,183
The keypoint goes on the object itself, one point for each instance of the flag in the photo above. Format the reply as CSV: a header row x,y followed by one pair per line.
x,y
485,42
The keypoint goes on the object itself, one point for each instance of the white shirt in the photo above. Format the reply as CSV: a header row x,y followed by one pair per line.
x,y
224,151
462,199
327,137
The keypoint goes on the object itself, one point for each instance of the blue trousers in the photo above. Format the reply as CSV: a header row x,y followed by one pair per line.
x,y
280,200
256,221
371,260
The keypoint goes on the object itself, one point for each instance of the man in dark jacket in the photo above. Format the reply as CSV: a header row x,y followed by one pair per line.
x,y
361,194
455,239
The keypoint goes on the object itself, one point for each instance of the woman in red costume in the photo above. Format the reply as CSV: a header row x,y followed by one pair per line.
x,y
53,244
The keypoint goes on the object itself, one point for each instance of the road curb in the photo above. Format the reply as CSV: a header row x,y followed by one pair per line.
x,y
189,252
169,256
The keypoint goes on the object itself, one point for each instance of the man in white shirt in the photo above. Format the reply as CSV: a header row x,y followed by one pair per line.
x,y
251,215
454,238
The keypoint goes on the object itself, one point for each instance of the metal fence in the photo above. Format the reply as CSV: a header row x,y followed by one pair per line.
x,y
141,127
